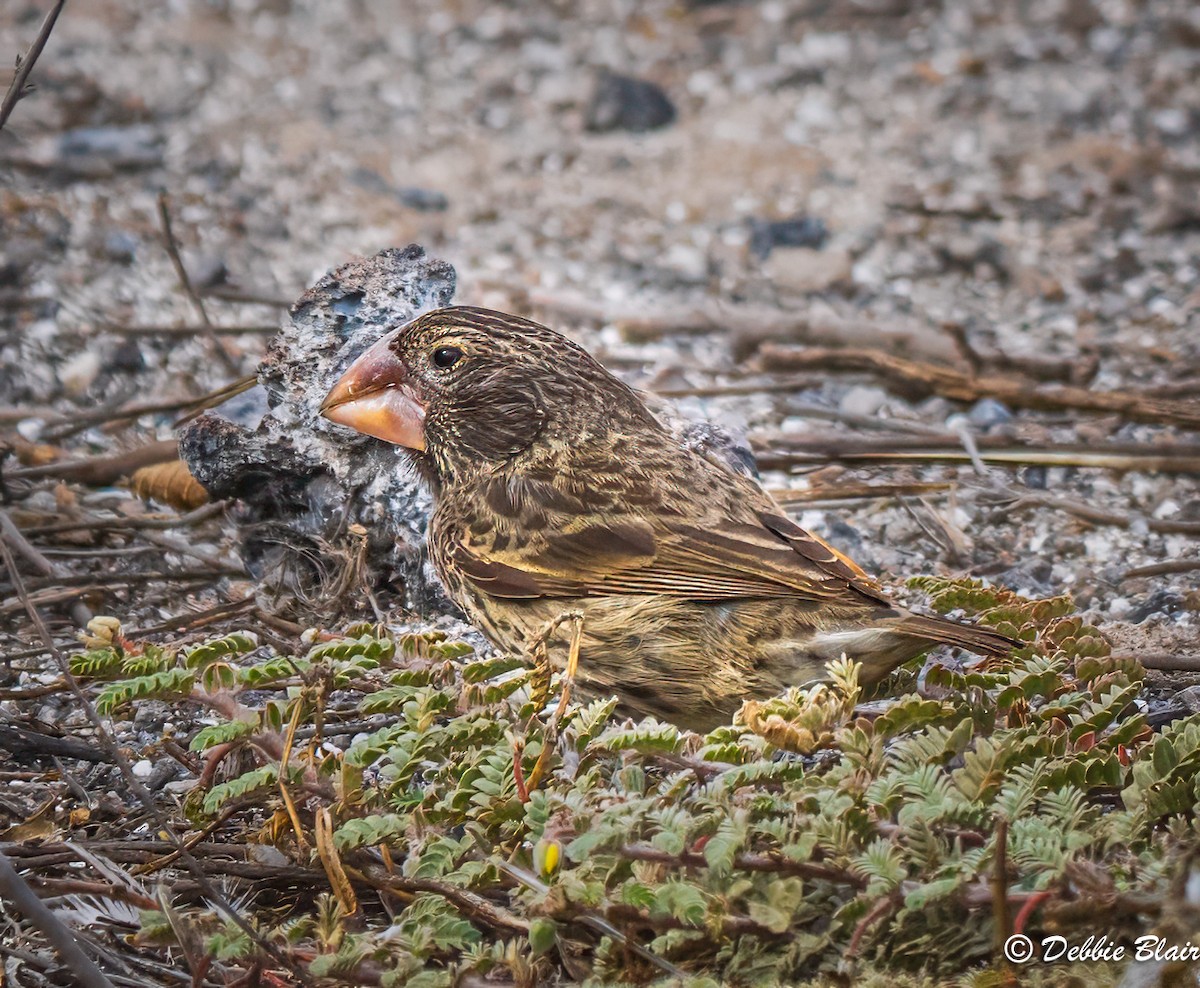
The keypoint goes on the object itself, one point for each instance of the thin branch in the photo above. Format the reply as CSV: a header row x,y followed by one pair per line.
x,y
12,535
151,523
1162,569
69,425
232,293
18,892
164,216
1164,661
731,925
191,622
101,471
22,742
920,379
470,904
785,385
58,581
777,450
828,493
19,88
1001,914
134,785
1096,516
255,329
57,594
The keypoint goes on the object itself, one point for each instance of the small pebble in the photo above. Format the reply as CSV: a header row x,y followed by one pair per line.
x,y
96,150
120,246
1168,509
798,231
862,400
422,200
1159,602
622,102
988,413
78,373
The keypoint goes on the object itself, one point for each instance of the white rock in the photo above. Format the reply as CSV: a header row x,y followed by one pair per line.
x,y
803,270
1168,509
78,373
862,400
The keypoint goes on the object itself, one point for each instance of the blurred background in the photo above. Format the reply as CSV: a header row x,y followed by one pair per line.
x,y
1004,187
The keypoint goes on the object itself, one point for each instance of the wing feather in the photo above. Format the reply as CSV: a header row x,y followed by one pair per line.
x,y
575,544
681,560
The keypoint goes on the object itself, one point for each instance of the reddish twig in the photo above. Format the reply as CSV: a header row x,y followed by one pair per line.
x,y
877,913
1027,909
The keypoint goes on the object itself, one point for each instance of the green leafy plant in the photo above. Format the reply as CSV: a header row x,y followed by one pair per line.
x,y
816,834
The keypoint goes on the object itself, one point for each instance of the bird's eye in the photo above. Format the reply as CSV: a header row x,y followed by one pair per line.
x,y
446,356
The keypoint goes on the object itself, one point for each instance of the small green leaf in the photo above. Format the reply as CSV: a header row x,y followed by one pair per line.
x,y
543,933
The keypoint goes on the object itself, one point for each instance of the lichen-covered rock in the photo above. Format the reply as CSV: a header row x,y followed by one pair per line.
x,y
325,512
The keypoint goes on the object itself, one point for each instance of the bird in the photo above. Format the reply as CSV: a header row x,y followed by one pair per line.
x,y
559,494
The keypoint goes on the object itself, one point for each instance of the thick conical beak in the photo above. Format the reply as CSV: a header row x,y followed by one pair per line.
x,y
374,397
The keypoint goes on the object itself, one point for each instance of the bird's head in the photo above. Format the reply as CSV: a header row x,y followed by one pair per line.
x,y
468,389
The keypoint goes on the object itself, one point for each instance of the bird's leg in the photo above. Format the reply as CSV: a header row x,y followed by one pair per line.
x,y
539,653
539,681
551,732
576,617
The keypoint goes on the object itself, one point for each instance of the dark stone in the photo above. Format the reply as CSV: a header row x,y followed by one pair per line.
x,y
205,270
1035,477
623,103
711,440
799,231
1160,602
422,200
127,358
1126,264
326,515
98,151
843,535
1034,575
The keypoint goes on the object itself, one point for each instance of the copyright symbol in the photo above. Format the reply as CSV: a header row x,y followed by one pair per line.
x,y
1018,948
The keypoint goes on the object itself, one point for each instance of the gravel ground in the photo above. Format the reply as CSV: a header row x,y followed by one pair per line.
x,y
883,174
690,189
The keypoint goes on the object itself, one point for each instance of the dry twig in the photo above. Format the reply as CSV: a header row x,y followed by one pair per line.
x,y
19,88
164,216
12,535
920,380
101,471
1162,569
134,785
17,891
783,451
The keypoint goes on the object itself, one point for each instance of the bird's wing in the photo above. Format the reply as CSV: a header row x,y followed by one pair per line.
x,y
768,557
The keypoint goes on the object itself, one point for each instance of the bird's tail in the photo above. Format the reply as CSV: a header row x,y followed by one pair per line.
x,y
941,630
